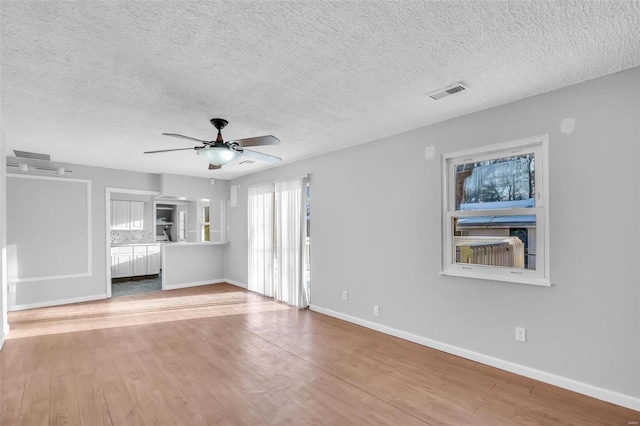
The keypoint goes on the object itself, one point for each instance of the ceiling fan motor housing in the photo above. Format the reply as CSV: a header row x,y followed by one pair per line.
x,y
219,123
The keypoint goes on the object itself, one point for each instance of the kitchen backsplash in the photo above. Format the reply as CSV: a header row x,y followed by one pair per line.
x,y
120,237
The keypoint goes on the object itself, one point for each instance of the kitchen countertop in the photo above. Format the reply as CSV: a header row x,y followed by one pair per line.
x,y
203,243
151,243
169,243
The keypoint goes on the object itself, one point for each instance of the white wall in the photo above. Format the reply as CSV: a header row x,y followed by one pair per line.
x,y
193,230
193,188
56,291
4,323
49,233
191,264
376,232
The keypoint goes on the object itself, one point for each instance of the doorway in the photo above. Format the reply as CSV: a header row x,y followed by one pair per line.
x,y
127,228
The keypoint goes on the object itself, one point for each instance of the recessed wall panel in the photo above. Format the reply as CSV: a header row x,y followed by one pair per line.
x,y
48,227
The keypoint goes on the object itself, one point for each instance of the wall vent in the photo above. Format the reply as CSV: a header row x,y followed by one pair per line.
x,y
31,155
450,90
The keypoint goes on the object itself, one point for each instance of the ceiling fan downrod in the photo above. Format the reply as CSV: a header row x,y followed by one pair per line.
x,y
219,123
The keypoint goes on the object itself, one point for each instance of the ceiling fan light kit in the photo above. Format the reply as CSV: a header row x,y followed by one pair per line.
x,y
218,152
219,155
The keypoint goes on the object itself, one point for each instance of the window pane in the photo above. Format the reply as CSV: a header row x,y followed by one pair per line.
x,y
503,240
205,233
182,225
205,214
502,182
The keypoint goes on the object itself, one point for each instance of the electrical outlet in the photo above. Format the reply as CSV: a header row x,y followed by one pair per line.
x,y
376,310
345,294
521,334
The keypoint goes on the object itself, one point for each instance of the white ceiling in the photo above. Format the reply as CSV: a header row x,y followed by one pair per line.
x,y
97,82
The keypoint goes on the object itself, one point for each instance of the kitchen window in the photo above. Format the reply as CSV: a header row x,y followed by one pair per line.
x,y
205,224
495,203
182,224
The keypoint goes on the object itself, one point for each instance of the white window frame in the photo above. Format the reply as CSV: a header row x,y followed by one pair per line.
x,y
540,276
182,223
202,223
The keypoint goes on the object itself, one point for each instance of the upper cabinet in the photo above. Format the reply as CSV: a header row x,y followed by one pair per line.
x,y
127,215
137,215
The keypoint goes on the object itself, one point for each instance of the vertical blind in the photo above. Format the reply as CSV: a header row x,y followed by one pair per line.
x,y
261,249
277,241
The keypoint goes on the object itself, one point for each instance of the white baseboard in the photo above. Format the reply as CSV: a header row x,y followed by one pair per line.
x,y
236,283
3,336
57,302
543,376
193,284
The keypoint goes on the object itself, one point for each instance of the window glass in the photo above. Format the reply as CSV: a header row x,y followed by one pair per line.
x,y
507,180
205,227
182,225
502,241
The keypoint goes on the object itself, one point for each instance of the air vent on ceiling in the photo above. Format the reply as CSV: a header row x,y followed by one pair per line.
x,y
450,90
31,155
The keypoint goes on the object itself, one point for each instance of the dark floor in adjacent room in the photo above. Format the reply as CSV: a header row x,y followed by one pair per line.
x,y
127,288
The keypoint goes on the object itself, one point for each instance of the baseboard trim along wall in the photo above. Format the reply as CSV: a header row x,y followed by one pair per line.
x,y
5,332
57,302
543,376
236,283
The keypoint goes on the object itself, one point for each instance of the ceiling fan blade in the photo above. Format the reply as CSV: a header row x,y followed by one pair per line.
x,y
260,156
257,141
175,135
167,150
213,166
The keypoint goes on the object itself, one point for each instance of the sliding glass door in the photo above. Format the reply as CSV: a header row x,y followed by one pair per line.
x,y
279,241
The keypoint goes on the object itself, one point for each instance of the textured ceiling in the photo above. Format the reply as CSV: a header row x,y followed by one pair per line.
x,y
97,82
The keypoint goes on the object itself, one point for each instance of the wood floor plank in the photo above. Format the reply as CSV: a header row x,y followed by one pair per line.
x,y
63,401
221,355
11,393
92,407
35,399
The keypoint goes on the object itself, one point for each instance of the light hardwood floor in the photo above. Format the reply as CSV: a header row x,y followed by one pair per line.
x,y
220,355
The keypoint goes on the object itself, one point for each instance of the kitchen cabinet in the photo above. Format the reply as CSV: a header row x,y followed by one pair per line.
x,y
135,260
153,260
127,215
139,260
120,212
121,262
136,220
168,218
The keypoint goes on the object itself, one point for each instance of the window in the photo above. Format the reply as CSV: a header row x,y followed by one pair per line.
x,y
205,225
182,225
495,202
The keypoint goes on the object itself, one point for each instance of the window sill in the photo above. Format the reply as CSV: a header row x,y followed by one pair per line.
x,y
541,282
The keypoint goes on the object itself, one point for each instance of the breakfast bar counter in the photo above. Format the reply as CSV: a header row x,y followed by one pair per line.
x,y
191,264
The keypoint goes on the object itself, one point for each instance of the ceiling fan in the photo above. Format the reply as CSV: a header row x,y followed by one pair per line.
x,y
218,152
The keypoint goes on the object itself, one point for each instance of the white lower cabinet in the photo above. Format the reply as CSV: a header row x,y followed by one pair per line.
x,y
139,260
121,262
153,260
132,261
